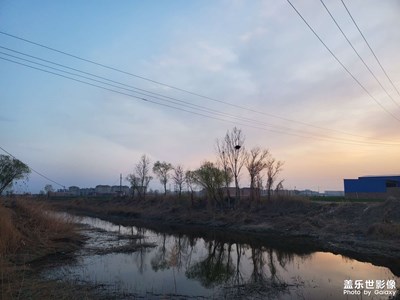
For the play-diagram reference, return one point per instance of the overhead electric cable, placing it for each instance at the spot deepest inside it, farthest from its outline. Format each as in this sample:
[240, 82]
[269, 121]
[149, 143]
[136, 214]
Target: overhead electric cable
[181, 102]
[173, 87]
[33, 170]
[338, 140]
[136, 97]
[370, 48]
[340, 62]
[172, 100]
[358, 54]
[146, 92]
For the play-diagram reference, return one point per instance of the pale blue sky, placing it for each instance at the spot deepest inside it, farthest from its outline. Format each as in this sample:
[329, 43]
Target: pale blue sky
[255, 54]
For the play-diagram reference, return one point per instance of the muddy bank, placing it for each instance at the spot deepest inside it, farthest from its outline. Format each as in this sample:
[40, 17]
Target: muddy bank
[30, 241]
[367, 232]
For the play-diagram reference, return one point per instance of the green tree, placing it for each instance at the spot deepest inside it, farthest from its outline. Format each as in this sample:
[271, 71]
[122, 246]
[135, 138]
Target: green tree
[48, 188]
[11, 169]
[161, 169]
[212, 179]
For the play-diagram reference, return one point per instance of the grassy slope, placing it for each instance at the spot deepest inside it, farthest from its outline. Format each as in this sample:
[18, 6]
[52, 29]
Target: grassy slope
[28, 235]
[379, 220]
[331, 224]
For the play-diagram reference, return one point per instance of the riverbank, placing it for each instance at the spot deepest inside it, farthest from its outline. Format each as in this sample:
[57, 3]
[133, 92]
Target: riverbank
[364, 231]
[31, 238]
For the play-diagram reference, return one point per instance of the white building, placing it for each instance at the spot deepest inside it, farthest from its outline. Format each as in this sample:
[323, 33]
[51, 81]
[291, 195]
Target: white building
[103, 190]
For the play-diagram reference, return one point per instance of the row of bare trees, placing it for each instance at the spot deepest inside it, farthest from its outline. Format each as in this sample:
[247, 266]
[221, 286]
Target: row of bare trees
[215, 178]
[164, 171]
[233, 156]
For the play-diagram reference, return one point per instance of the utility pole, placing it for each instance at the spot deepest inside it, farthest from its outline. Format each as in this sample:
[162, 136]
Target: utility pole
[120, 184]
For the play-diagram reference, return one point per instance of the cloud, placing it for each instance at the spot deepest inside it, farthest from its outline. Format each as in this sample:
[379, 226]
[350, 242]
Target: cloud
[256, 33]
[255, 54]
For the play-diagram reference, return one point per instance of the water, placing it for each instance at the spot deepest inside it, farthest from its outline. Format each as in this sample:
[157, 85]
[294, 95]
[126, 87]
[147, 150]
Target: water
[213, 265]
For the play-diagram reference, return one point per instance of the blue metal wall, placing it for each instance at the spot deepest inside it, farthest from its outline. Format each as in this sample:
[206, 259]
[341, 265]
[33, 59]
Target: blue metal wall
[369, 184]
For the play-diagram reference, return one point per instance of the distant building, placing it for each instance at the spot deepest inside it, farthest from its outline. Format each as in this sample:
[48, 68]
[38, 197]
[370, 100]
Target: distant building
[74, 191]
[372, 187]
[103, 190]
[334, 193]
[88, 192]
[308, 192]
[121, 190]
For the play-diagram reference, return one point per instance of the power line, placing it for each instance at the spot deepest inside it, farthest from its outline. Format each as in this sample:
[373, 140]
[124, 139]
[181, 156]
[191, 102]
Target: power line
[370, 48]
[149, 93]
[33, 170]
[172, 99]
[340, 140]
[359, 56]
[178, 102]
[169, 99]
[179, 89]
[140, 98]
[339, 61]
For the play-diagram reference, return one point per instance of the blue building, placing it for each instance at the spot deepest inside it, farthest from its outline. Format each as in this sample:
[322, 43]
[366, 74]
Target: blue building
[372, 187]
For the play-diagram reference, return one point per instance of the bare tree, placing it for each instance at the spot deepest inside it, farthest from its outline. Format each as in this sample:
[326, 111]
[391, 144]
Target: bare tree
[224, 162]
[279, 186]
[274, 167]
[141, 178]
[134, 181]
[179, 178]
[233, 153]
[256, 162]
[190, 182]
[161, 169]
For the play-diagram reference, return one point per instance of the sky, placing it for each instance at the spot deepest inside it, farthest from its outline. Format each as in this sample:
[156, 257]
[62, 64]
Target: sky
[250, 64]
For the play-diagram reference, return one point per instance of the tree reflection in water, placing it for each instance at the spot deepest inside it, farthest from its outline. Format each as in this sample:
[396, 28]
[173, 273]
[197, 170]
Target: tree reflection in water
[140, 255]
[222, 266]
[215, 269]
[263, 282]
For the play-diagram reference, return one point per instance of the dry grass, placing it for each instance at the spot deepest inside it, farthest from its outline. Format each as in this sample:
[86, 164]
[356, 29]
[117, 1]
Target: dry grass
[29, 232]
[293, 214]
[10, 237]
[384, 230]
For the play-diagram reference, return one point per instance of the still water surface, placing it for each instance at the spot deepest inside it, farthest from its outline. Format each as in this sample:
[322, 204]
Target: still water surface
[183, 266]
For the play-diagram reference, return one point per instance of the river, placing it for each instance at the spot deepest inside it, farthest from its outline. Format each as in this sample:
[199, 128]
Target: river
[136, 262]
